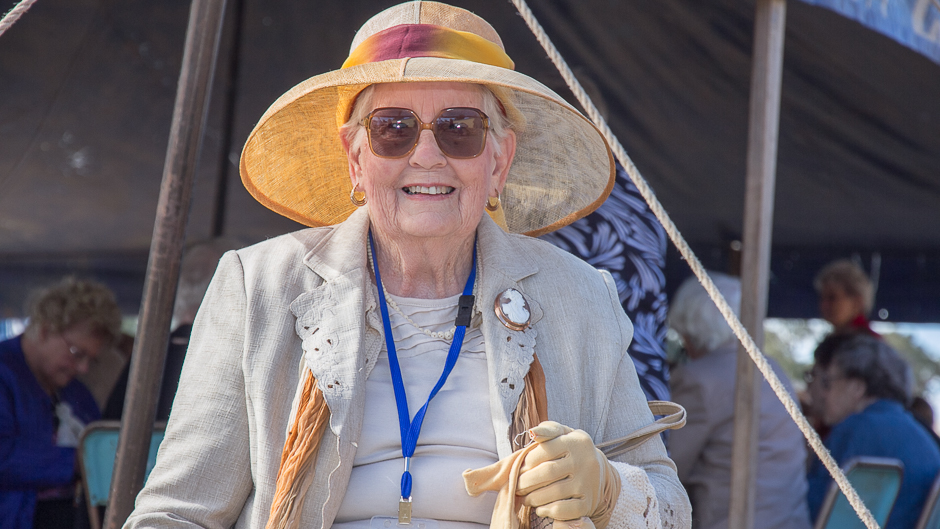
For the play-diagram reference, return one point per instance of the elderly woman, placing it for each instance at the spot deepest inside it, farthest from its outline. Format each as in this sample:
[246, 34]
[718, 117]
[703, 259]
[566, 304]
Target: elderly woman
[43, 409]
[864, 385]
[702, 450]
[846, 296]
[345, 376]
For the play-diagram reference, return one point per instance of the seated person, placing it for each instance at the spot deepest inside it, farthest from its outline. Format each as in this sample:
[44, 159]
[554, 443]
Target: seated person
[702, 449]
[43, 409]
[311, 350]
[846, 295]
[863, 385]
[196, 269]
[624, 237]
[103, 374]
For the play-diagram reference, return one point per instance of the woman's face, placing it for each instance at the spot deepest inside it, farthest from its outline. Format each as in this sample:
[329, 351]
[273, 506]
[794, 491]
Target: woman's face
[401, 203]
[60, 357]
[841, 396]
[838, 307]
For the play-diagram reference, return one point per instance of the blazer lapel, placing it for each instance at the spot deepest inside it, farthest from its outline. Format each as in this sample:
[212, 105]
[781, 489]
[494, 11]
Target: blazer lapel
[337, 321]
[509, 353]
[341, 335]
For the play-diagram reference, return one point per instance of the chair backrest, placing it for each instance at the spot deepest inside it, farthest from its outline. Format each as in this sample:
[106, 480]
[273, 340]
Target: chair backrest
[930, 516]
[877, 481]
[97, 450]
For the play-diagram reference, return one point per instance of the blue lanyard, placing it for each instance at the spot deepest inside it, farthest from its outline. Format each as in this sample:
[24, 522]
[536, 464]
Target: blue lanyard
[410, 429]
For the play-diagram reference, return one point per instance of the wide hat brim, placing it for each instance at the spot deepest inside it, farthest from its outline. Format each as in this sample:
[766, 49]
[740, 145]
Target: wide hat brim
[294, 162]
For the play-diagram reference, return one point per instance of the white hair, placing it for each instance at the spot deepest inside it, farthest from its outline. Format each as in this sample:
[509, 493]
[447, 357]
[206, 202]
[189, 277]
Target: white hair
[694, 315]
[355, 133]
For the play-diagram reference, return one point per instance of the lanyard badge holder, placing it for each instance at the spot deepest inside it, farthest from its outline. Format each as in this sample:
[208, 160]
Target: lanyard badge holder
[411, 428]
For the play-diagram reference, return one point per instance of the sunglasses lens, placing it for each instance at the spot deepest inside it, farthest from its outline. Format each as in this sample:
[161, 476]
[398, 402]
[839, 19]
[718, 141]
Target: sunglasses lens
[461, 132]
[392, 132]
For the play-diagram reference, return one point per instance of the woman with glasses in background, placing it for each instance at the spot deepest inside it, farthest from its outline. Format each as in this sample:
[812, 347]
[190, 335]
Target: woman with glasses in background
[862, 386]
[43, 409]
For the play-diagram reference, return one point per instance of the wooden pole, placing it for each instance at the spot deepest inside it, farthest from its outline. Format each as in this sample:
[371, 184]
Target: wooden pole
[766, 76]
[146, 371]
[230, 100]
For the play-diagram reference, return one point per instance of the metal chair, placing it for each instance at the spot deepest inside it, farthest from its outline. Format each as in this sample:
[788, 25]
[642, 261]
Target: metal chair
[97, 449]
[930, 516]
[877, 480]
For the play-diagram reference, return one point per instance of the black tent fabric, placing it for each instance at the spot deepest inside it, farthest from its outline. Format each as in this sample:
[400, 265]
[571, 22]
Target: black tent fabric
[87, 89]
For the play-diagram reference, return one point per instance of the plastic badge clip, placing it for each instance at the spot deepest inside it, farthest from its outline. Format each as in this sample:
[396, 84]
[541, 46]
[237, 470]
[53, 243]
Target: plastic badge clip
[464, 311]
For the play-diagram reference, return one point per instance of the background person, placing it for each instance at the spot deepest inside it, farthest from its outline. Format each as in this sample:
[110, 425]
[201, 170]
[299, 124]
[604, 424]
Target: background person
[105, 372]
[43, 409]
[311, 350]
[624, 237]
[196, 268]
[864, 385]
[705, 387]
[846, 297]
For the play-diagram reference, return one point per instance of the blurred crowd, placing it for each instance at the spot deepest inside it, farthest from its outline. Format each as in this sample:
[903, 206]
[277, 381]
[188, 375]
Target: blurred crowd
[858, 397]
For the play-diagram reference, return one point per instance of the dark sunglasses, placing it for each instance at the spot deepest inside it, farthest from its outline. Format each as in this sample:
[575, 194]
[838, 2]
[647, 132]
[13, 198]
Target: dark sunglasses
[394, 132]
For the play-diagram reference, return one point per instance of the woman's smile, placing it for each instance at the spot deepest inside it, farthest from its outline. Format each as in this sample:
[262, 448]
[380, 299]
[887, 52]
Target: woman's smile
[428, 190]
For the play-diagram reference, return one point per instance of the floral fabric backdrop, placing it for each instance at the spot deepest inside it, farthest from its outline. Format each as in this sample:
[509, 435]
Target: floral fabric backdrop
[624, 238]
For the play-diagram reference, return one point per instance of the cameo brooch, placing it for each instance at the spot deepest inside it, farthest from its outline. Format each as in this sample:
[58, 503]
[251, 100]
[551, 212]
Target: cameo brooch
[512, 309]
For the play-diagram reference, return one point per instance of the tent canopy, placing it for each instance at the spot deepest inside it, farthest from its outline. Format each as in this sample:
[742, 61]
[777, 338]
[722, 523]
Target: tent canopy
[88, 87]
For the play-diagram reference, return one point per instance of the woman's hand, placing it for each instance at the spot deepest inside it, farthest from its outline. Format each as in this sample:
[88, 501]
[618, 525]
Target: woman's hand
[565, 477]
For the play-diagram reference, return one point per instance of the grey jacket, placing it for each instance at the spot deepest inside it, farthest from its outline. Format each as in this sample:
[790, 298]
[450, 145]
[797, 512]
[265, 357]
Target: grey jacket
[311, 291]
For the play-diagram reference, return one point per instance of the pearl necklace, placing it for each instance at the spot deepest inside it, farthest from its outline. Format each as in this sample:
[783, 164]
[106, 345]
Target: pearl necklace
[446, 335]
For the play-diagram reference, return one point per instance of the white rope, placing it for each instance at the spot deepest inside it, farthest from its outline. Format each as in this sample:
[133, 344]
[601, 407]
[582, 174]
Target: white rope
[759, 359]
[14, 14]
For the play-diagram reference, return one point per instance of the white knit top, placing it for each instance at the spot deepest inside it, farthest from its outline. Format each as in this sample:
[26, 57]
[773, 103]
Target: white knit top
[457, 433]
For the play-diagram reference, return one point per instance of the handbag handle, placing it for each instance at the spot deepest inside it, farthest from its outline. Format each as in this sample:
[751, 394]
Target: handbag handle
[674, 418]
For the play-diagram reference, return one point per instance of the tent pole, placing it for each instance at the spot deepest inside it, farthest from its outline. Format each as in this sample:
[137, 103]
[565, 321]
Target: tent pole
[230, 98]
[146, 371]
[766, 76]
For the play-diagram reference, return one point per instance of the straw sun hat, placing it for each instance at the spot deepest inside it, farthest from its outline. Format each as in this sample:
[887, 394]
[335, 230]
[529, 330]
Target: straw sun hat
[294, 163]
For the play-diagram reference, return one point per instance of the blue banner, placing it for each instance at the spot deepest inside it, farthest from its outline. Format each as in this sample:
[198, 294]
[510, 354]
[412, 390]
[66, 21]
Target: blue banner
[914, 23]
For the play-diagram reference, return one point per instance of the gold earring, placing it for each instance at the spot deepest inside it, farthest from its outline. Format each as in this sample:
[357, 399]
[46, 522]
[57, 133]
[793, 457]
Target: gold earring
[358, 202]
[491, 204]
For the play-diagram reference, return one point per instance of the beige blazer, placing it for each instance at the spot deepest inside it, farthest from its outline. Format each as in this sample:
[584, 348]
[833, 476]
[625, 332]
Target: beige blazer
[307, 298]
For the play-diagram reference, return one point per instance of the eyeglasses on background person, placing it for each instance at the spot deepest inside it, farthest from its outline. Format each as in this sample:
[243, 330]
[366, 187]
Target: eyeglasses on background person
[78, 354]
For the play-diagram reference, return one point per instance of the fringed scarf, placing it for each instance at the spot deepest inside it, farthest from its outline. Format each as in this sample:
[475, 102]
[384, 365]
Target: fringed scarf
[298, 458]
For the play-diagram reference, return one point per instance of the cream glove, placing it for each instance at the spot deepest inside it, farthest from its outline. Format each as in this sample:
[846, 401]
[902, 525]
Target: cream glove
[566, 478]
